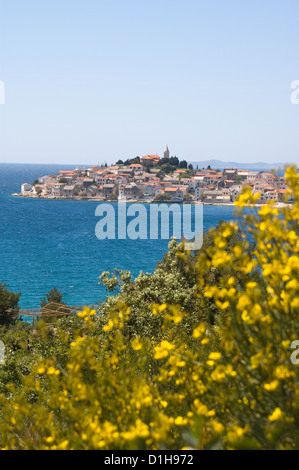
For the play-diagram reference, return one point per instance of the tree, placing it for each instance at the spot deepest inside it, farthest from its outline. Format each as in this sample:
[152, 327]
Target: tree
[167, 168]
[187, 197]
[183, 175]
[76, 189]
[112, 197]
[131, 161]
[52, 306]
[162, 197]
[38, 190]
[9, 306]
[147, 164]
[53, 296]
[183, 164]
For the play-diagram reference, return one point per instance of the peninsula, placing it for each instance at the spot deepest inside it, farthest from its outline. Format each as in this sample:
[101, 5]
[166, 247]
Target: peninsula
[154, 179]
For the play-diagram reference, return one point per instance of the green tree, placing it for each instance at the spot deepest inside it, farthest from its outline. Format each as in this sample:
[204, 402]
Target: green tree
[131, 161]
[112, 197]
[175, 281]
[187, 197]
[162, 197]
[53, 296]
[76, 189]
[183, 164]
[9, 306]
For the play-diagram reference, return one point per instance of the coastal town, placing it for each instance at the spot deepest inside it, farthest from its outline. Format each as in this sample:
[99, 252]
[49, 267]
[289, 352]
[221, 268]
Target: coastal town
[154, 179]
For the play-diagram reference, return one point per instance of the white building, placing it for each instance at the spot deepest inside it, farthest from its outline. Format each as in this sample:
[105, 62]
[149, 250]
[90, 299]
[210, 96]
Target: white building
[197, 193]
[25, 188]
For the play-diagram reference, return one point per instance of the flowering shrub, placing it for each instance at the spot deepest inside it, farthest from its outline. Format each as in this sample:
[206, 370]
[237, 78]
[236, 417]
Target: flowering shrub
[227, 384]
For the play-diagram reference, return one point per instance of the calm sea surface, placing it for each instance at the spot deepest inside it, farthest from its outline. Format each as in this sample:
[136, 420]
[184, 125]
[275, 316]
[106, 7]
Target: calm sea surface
[46, 244]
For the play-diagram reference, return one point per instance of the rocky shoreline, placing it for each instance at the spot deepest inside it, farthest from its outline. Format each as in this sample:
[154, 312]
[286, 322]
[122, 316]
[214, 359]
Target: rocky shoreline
[140, 201]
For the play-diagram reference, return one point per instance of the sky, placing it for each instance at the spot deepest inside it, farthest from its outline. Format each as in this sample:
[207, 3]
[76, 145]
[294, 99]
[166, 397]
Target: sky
[93, 81]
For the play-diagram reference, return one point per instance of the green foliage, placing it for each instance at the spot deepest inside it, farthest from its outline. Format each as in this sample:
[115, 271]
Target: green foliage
[112, 197]
[130, 161]
[76, 189]
[163, 197]
[174, 282]
[183, 164]
[53, 296]
[167, 168]
[9, 306]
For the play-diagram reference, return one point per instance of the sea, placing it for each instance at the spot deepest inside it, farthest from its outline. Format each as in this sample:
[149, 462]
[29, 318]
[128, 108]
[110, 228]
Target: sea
[53, 243]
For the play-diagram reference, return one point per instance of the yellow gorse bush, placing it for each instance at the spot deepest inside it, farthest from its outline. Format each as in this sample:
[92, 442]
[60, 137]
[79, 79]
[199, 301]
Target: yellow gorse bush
[230, 385]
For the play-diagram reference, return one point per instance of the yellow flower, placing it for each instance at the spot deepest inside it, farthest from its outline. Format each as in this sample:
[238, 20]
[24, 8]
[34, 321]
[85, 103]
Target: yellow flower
[199, 330]
[210, 363]
[52, 371]
[217, 427]
[282, 372]
[180, 421]
[82, 314]
[78, 341]
[276, 415]
[163, 349]
[109, 326]
[243, 302]
[63, 445]
[215, 356]
[162, 307]
[236, 432]
[136, 344]
[271, 386]
[205, 341]
[200, 407]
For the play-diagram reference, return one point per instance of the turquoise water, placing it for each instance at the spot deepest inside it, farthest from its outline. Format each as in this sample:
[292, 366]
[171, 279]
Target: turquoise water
[52, 243]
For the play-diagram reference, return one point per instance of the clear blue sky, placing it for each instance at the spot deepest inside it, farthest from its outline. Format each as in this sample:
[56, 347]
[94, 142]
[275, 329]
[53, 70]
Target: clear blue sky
[89, 81]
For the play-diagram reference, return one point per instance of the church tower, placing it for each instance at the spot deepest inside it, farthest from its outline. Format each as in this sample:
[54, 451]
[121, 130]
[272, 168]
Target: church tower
[166, 152]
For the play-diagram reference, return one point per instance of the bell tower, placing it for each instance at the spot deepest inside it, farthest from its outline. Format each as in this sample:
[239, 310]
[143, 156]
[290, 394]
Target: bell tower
[166, 152]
